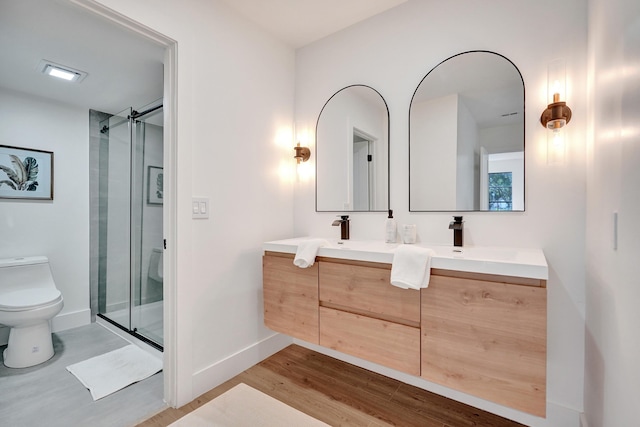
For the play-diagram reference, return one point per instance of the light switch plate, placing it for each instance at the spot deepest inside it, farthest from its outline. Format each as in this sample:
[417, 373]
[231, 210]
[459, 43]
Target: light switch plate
[199, 208]
[615, 231]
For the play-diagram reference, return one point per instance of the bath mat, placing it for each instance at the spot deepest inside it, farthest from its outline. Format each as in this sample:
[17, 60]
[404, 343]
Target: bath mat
[243, 406]
[110, 372]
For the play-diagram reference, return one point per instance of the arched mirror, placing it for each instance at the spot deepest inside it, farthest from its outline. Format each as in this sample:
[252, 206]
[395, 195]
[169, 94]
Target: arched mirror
[466, 136]
[352, 152]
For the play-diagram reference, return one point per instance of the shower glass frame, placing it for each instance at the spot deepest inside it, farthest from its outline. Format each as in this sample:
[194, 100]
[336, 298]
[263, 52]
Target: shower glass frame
[123, 191]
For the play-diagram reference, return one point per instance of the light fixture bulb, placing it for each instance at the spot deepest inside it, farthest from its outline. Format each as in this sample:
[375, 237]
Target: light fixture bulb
[558, 140]
[61, 74]
[557, 89]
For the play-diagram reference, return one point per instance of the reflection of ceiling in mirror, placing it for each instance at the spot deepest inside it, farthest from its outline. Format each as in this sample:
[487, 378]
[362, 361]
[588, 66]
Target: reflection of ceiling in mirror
[488, 84]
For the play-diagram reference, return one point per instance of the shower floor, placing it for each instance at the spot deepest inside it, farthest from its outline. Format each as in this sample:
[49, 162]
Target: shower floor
[147, 320]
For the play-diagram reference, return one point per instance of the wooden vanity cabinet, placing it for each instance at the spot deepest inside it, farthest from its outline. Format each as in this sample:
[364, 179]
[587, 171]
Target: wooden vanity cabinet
[484, 335]
[487, 336]
[361, 314]
[290, 297]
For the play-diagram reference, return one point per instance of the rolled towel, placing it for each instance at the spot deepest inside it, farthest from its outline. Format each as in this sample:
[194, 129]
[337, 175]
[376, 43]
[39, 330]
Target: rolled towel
[307, 251]
[411, 267]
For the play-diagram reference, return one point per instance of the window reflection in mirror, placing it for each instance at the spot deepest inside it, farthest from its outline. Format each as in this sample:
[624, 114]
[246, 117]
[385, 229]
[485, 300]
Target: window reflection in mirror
[466, 134]
[352, 152]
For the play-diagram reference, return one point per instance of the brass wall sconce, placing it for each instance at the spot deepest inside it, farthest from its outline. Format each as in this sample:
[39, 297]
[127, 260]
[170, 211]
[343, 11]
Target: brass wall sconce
[302, 153]
[557, 114]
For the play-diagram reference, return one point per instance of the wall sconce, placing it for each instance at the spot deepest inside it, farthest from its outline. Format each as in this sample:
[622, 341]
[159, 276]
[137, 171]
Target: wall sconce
[557, 114]
[302, 153]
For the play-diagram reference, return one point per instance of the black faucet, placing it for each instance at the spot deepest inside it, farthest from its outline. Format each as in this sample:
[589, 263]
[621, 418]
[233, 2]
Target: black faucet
[456, 226]
[343, 222]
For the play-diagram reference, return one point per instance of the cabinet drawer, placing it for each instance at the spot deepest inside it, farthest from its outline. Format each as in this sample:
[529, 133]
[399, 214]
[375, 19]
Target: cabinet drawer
[487, 339]
[290, 298]
[389, 344]
[368, 290]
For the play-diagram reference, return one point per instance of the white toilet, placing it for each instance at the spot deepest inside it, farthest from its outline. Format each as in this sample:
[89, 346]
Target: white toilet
[154, 277]
[28, 301]
[156, 265]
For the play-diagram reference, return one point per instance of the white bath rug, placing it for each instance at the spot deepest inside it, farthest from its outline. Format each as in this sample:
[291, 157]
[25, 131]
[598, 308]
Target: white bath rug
[110, 372]
[243, 406]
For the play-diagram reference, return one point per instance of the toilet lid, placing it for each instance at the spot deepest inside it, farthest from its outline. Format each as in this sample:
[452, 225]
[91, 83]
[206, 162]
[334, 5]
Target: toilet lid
[29, 298]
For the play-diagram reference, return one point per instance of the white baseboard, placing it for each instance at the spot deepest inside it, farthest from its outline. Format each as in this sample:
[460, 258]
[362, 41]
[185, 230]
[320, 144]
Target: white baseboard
[61, 322]
[65, 321]
[225, 369]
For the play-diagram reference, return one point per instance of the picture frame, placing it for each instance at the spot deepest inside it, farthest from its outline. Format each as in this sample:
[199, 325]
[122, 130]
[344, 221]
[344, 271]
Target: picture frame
[155, 191]
[26, 173]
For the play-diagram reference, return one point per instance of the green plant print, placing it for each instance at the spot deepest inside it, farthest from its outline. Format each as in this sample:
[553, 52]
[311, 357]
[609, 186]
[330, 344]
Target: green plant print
[159, 189]
[23, 176]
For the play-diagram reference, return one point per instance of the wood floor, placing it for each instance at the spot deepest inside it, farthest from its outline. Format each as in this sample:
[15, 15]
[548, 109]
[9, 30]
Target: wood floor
[341, 394]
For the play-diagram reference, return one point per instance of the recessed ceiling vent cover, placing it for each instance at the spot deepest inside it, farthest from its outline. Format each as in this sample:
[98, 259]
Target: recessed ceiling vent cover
[61, 71]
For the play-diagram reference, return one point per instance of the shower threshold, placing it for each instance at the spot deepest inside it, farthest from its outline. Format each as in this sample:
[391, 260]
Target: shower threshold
[126, 333]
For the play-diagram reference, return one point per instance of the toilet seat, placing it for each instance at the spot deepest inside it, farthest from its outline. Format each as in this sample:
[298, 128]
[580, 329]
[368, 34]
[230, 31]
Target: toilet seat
[29, 299]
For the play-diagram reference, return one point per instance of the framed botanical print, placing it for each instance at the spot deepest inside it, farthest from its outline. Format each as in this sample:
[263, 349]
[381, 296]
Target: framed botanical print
[26, 173]
[154, 185]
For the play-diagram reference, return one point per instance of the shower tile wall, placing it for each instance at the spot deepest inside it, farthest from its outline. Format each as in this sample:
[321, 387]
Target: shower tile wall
[96, 144]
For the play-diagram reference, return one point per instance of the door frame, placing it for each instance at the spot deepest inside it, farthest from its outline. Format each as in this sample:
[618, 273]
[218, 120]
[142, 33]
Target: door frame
[169, 209]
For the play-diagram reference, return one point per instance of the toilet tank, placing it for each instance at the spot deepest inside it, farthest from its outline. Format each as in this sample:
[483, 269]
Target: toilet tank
[25, 272]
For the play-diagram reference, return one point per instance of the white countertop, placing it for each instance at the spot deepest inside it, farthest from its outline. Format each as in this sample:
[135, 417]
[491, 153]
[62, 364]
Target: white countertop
[518, 262]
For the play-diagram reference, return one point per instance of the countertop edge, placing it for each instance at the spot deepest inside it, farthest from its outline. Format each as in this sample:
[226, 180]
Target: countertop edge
[533, 270]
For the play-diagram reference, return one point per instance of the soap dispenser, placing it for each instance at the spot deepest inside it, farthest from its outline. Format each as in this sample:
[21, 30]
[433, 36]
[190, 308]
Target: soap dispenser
[390, 229]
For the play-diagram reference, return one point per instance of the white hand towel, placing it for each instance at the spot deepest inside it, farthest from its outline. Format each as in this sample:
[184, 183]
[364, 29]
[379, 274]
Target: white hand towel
[307, 251]
[411, 267]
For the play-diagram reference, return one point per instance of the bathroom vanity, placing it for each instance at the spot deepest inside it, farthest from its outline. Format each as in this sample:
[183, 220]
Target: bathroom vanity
[479, 328]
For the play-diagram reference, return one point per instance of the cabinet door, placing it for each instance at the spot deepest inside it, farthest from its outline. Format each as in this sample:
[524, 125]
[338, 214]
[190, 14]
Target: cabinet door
[290, 298]
[369, 291]
[389, 344]
[487, 339]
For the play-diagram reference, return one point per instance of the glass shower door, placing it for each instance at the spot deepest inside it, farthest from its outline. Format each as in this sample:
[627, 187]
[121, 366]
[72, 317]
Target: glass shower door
[130, 266]
[114, 220]
[147, 238]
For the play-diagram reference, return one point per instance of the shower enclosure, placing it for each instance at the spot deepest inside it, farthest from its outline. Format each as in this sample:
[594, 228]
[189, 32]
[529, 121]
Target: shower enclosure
[129, 241]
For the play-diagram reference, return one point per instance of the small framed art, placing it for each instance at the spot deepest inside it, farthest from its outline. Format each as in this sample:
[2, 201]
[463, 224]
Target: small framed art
[26, 173]
[154, 185]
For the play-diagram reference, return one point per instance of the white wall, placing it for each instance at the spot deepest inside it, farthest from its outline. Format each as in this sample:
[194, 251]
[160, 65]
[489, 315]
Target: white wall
[433, 153]
[234, 146]
[502, 139]
[58, 229]
[612, 373]
[392, 52]
[467, 174]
